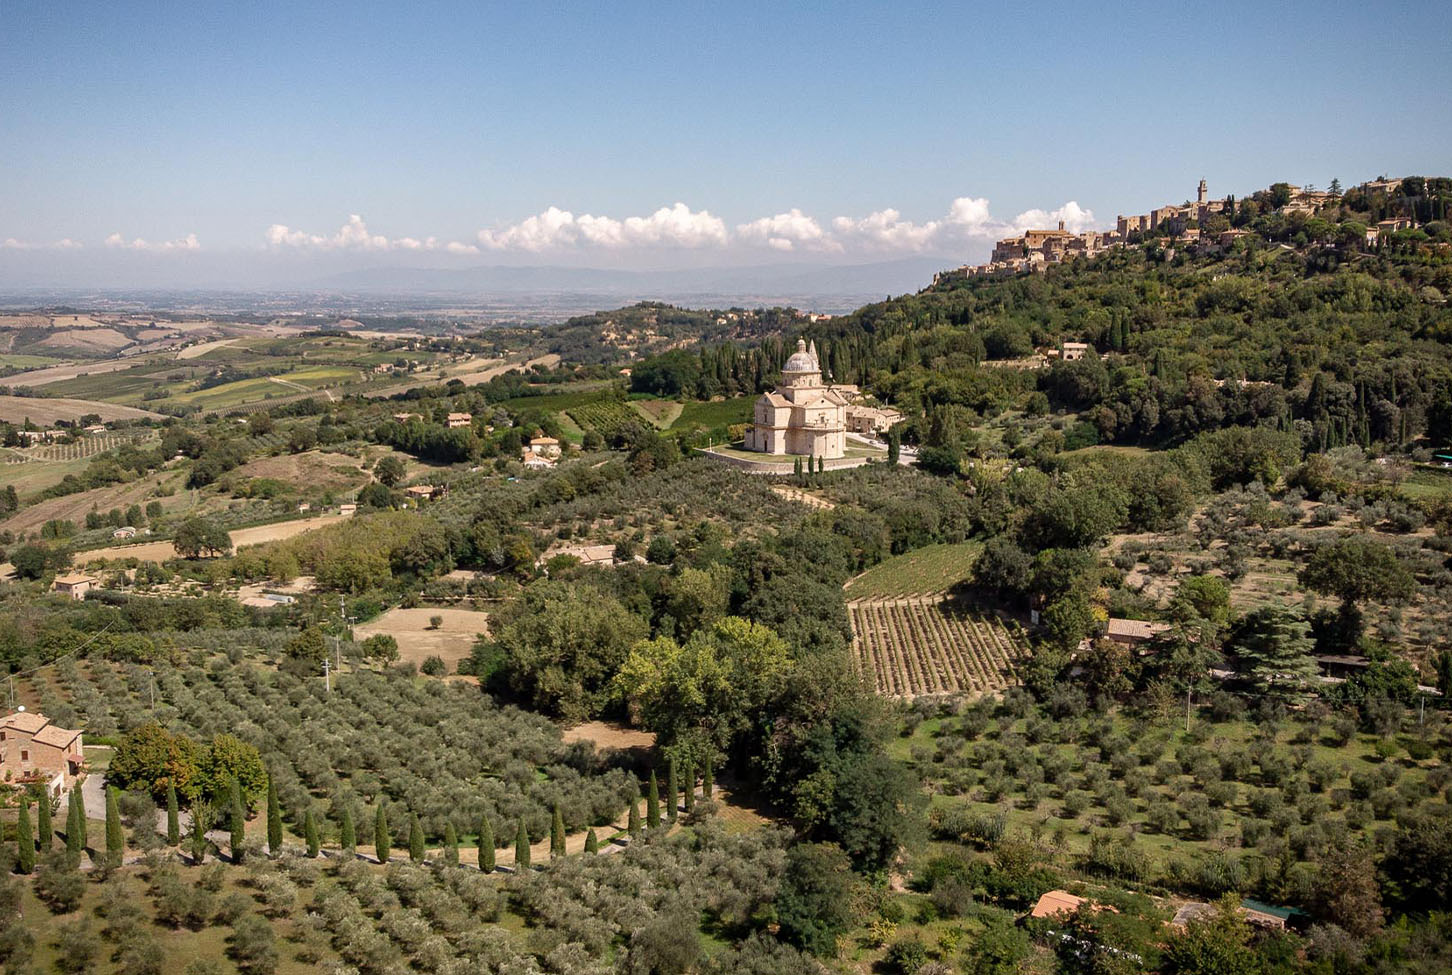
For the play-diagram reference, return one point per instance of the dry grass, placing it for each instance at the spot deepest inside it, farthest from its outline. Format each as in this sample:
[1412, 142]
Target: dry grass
[451, 642]
[608, 734]
[15, 409]
[307, 471]
[74, 507]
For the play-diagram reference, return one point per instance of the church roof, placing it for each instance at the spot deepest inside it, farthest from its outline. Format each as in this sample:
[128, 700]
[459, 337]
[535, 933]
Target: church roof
[802, 360]
[776, 399]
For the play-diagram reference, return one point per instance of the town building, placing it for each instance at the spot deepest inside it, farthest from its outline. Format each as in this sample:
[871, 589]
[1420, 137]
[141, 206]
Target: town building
[1132, 633]
[1074, 351]
[535, 461]
[802, 416]
[75, 584]
[870, 421]
[34, 750]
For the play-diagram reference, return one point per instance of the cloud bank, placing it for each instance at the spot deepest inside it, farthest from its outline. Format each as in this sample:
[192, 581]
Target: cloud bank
[678, 227]
[187, 243]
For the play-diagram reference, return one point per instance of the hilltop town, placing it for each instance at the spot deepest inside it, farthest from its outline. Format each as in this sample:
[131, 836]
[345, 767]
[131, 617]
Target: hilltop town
[1207, 226]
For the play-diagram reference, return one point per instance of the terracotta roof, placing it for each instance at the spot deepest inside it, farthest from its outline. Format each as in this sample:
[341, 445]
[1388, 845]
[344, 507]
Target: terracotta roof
[26, 721]
[1056, 902]
[546, 441]
[72, 578]
[56, 737]
[1135, 629]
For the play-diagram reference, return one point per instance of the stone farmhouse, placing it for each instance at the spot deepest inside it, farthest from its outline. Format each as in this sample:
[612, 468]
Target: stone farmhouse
[802, 416]
[32, 749]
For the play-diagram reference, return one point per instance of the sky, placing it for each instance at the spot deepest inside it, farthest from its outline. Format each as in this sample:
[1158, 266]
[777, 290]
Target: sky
[270, 142]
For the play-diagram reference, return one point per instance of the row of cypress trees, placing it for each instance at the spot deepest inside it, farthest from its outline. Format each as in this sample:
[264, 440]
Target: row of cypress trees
[76, 840]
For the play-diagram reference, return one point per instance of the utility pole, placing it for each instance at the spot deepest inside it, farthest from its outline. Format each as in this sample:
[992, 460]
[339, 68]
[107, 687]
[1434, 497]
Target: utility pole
[151, 677]
[1188, 692]
[327, 676]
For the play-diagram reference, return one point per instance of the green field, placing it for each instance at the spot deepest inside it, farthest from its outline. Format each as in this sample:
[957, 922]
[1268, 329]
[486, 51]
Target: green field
[251, 390]
[1428, 482]
[713, 415]
[18, 361]
[935, 568]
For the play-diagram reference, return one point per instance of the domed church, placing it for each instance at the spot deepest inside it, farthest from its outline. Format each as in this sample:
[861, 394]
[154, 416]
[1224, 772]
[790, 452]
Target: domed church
[801, 416]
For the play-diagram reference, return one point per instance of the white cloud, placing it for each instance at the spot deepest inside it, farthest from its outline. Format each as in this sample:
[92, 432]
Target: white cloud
[64, 244]
[787, 231]
[1076, 219]
[187, 243]
[557, 229]
[354, 235]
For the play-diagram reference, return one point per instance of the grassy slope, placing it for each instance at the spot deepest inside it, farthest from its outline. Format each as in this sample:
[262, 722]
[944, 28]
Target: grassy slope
[935, 568]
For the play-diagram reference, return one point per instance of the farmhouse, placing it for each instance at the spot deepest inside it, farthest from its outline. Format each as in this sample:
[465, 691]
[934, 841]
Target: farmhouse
[75, 584]
[34, 750]
[460, 420]
[870, 420]
[125, 531]
[424, 492]
[1131, 633]
[1074, 351]
[535, 461]
[547, 447]
[801, 416]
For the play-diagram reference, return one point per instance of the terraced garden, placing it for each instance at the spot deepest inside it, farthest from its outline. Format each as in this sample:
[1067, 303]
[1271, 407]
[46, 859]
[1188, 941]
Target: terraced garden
[931, 644]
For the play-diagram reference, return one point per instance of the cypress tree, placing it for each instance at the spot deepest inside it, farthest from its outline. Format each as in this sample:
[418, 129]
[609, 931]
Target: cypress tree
[415, 839]
[592, 843]
[521, 848]
[347, 835]
[382, 842]
[557, 834]
[173, 820]
[690, 788]
[708, 778]
[44, 829]
[199, 833]
[673, 792]
[274, 819]
[451, 845]
[652, 803]
[238, 823]
[486, 845]
[115, 840]
[310, 834]
[24, 839]
[76, 822]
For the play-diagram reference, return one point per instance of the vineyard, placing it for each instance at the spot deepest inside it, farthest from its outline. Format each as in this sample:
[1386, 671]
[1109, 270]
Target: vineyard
[80, 450]
[607, 416]
[932, 645]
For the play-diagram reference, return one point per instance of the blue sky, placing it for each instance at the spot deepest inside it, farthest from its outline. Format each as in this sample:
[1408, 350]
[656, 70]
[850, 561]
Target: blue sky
[674, 133]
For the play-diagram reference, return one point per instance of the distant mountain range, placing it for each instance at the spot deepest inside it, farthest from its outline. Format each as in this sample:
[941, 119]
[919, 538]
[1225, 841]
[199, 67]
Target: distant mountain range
[847, 284]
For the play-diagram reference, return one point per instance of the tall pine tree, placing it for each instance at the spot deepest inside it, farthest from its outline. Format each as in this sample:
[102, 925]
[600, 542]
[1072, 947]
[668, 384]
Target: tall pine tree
[557, 834]
[652, 803]
[115, 839]
[673, 792]
[382, 842]
[347, 832]
[173, 817]
[24, 838]
[521, 848]
[451, 845]
[274, 819]
[310, 834]
[44, 830]
[486, 845]
[237, 820]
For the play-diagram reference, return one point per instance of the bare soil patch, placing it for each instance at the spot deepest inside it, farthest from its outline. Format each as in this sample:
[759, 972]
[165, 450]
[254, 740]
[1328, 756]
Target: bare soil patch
[91, 339]
[608, 734]
[451, 642]
[797, 494]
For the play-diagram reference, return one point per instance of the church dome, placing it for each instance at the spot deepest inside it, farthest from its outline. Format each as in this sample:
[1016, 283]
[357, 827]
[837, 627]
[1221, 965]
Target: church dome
[801, 360]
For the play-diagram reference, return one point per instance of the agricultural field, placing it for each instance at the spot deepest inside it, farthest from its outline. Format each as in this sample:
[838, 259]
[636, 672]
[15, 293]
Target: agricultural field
[659, 413]
[925, 645]
[265, 387]
[452, 641]
[714, 415]
[931, 569]
[307, 472]
[607, 416]
[74, 507]
[1208, 807]
[45, 412]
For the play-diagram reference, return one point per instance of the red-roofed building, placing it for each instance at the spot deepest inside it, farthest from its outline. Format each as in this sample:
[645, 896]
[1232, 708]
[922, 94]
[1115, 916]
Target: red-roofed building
[33, 749]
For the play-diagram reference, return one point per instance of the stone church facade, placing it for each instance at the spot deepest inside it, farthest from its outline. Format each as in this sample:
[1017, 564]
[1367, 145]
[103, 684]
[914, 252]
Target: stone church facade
[802, 416]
